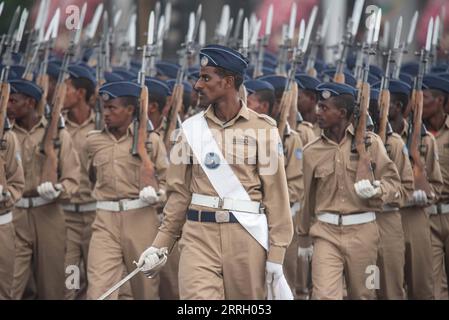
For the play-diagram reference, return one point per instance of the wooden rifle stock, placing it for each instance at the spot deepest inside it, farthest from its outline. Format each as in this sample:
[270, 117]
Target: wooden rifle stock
[284, 107]
[312, 72]
[384, 104]
[4, 98]
[339, 77]
[419, 169]
[176, 105]
[42, 81]
[293, 105]
[50, 166]
[147, 171]
[364, 168]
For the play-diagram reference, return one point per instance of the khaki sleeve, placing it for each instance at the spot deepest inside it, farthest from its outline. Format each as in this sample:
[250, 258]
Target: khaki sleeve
[275, 194]
[433, 167]
[160, 160]
[385, 171]
[399, 155]
[307, 212]
[293, 168]
[15, 181]
[69, 166]
[179, 176]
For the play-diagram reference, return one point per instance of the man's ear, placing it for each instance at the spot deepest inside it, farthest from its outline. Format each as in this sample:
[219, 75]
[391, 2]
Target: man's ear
[81, 92]
[152, 107]
[343, 113]
[229, 81]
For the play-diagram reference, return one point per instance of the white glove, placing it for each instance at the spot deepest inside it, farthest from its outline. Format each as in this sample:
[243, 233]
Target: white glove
[305, 253]
[152, 260]
[49, 192]
[366, 190]
[419, 197]
[273, 273]
[3, 196]
[149, 195]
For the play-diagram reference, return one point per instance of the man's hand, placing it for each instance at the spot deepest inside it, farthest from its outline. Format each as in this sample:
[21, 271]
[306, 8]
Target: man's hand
[419, 198]
[273, 272]
[3, 195]
[49, 192]
[152, 260]
[305, 253]
[149, 195]
[366, 190]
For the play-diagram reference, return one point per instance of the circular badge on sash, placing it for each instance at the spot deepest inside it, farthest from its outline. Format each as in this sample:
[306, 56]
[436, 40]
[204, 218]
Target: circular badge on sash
[212, 160]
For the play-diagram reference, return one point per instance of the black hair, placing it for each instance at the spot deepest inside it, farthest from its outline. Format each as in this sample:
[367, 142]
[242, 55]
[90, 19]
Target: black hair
[345, 101]
[130, 100]
[267, 96]
[402, 98]
[238, 78]
[159, 99]
[83, 83]
[438, 93]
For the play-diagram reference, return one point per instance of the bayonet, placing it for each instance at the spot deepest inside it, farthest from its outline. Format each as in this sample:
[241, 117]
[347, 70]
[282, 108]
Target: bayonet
[167, 15]
[202, 36]
[237, 27]
[19, 33]
[92, 28]
[310, 25]
[292, 22]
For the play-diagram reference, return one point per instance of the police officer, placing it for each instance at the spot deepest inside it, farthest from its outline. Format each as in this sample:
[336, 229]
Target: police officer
[345, 235]
[261, 99]
[80, 212]
[38, 216]
[415, 221]
[435, 94]
[126, 219]
[237, 206]
[12, 184]
[307, 104]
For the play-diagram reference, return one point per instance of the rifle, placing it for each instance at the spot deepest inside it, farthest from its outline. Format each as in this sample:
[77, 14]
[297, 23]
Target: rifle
[49, 168]
[262, 43]
[287, 39]
[348, 39]
[364, 168]
[416, 129]
[384, 99]
[404, 46]
[140, 121]
[178, 90]
[318, 42]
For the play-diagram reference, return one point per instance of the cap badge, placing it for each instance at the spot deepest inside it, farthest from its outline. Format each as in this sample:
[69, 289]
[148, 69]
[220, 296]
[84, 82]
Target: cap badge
[204, 61]
[326, 94]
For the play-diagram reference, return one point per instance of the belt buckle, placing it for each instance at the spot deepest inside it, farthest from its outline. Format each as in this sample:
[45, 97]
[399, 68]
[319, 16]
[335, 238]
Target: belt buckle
[439, 208]
[222, 216]
[340, 220]
[121, 205]
[30, 203]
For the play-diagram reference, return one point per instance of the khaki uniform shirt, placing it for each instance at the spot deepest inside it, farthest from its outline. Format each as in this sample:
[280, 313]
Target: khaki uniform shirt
[10, 159]
[249, 163]
[429, 156]
[115, 171]
[306, 131]
[79, 136]
[33, 160]
[330, 174]
[442, 139]
[293, 165]
[397, 151]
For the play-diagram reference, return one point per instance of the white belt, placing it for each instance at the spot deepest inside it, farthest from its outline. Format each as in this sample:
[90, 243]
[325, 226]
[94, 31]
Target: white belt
[441, 208]
[122, 205]
[80, 207]
[347, 219]
[225, 203]
[388, 208]
[32, 202]
[295, 208]
[6, 218]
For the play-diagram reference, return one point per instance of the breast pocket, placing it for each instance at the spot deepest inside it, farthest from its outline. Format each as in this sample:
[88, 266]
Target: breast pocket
[244, 150]
[323, 176]
[102, 169]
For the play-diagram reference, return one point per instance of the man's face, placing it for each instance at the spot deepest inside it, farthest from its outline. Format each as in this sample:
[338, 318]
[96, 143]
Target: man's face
[395, 110]
[277, 105]
[328, 115]
[116, 114]
[72, 95]
[306, 102]
[210, 86]
[431, 104]
[19, 105]
[255, 104]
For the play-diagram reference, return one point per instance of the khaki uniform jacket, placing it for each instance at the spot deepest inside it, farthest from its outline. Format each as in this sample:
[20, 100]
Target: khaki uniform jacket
[114, 171]
[79, 136]
[306, 131]
[10, 159]
[33, 160]
[442, 139]
[329, 177]
[397, 151]
[249, 161]
[429, 156]
[293, 165]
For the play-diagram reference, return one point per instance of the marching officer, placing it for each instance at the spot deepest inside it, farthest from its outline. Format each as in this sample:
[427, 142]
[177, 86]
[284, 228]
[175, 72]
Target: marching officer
[229, 198]
[345, 234]
[38, 216]
[80, 212]
[436, 93]
[126, 219]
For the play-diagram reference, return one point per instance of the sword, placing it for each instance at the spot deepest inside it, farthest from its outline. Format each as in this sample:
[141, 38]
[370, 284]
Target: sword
[119, 284]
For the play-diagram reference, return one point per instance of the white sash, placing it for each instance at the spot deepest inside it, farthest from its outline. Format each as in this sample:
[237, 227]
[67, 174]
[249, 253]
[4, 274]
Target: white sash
[223, 179]
[226, 184]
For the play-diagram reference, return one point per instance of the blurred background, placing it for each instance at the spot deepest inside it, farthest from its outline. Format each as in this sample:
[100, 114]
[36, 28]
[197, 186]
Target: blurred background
[391, 11]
